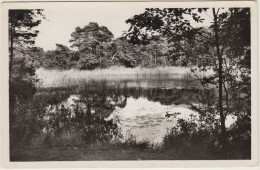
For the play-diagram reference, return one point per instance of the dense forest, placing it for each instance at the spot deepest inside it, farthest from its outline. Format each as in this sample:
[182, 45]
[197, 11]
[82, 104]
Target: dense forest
[157, 37]
[94, 46]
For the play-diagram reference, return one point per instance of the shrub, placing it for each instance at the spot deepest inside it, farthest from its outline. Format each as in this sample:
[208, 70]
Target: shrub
[133, 143]
[22, 87]
[90, 128]
[189, 141]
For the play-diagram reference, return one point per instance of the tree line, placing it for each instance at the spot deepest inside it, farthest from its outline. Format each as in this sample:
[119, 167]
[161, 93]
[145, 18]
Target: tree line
[94, 46]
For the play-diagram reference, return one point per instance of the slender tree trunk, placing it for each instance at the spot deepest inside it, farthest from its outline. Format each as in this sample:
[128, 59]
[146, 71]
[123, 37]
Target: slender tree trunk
[114, 56]
[12, 102]
[220, 81]
[155, 58]
[11, 53]
[88, 110]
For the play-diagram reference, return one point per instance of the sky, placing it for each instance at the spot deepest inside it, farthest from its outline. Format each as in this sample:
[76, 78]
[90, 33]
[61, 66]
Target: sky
[61, 21]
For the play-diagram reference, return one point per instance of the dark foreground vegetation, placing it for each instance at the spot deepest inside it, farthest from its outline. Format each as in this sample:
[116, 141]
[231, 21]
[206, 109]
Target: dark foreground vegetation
[42, 128]
[125, 151]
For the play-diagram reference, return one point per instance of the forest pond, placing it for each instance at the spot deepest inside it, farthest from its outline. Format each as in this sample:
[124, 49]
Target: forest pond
[139, 107]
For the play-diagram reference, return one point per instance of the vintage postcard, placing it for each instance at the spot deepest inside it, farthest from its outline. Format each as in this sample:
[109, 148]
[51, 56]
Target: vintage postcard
[129, 84]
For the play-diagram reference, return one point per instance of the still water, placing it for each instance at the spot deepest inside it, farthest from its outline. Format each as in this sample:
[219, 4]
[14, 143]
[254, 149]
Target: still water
[138, 107]
[146, 119]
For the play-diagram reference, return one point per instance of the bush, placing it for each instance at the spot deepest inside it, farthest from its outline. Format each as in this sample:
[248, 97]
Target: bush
[22, 87]
[65, 138]
[89, 127]
[134, 144]
[189, 141]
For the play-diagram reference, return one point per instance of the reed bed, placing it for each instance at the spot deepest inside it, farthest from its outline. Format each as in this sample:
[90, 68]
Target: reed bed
[63, 78]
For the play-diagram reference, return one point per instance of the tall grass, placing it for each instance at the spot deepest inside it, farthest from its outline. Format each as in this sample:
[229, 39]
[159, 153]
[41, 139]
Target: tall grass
[63, 78]
[63, 140]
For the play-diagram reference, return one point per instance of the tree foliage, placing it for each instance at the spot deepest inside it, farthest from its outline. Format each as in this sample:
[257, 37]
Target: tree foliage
[93, 43]
[22, 78]
[224, 48]
[21, 33]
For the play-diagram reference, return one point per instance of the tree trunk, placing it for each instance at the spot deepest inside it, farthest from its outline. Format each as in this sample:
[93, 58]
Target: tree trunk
[114, 55]
[11, 53]
[220, 81]
[88, 110]
[12, 100]
[155, 58]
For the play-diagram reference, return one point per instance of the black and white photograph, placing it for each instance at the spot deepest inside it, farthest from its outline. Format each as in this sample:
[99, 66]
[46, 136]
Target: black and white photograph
[130, 81]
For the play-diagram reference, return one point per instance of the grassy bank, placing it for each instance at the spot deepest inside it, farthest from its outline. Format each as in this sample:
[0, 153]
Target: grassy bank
[122, 151]
[98, 152]
[104, 152]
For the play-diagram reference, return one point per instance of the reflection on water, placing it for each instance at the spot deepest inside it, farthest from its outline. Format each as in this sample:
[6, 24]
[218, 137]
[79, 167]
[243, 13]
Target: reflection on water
[146, 119]
[138, 111]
